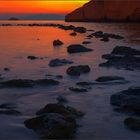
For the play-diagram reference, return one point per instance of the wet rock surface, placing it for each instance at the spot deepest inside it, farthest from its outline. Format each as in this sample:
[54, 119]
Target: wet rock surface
[59, 62]
[55, 121]
[122, 57]
[76, 89]
[27, 83]
[9, 109]
[78, 70]
[109, 78]
[127, 100]
[106, 36]
[77, 48]
[132, 123]
[80, 29]
[86, 42]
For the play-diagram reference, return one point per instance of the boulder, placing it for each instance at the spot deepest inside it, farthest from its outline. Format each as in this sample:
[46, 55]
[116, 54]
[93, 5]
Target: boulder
[122, 57]
[127, 100]
[55, 121]
[78, 70]
[77, 48]
[107, 11]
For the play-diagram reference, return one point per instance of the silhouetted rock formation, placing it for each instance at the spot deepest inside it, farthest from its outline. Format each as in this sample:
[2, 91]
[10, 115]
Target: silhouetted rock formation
[107, 10]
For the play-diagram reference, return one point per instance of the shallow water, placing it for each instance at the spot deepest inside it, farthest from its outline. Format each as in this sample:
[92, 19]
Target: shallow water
[100, 121]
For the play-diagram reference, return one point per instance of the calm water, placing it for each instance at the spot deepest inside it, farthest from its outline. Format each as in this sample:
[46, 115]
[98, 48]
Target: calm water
[100, 121]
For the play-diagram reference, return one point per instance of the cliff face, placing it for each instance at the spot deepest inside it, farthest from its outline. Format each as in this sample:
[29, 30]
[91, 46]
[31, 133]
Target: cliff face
[107, 10]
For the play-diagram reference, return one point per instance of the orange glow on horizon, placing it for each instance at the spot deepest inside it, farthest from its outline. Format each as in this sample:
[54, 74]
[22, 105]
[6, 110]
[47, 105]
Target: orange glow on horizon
[58, 7]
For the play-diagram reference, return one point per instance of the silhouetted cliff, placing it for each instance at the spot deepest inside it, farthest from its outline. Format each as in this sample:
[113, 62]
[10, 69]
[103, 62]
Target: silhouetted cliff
[107, 10]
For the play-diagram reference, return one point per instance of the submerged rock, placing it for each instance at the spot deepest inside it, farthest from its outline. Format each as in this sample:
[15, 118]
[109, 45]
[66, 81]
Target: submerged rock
[9, 109]
[27, 83]
[8, 105]
[122, 57]
[127, 100]
[109, 78]
[61, 99]
[86, 42]
[75, 89]
[76, 48]
[80, 29]
[57, 43]
[106, 36]
[6, 69]
[55, 121]
[59, 62]
[132, 123]
[31, 57]
[10, 112]
[19, 83]
[73, 34]
[105, 39]
[78, 70]
[84, 83]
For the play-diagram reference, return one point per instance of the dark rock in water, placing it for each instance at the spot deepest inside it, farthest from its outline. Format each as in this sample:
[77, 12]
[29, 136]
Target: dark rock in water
[52, 126]
[55, 121]
[84, 83]
[73, 34]
[19, 83]
[105, 39]
[61, 99]
[76, 48]
[128, 100]
[89, 36]
[106, 36]
[6, 69]
[86, 42]
[9, 112]
[59, 62]
[123, 50]
[109, 78]
[59, 76]
[57, 43]
[32, 57]
[78, 89]
[26, 83]
[46, 82]
[122, 57]
[80, 29]
[59, 108]
[132, 123]
[8, 106]
[13, 18]
[78, 70]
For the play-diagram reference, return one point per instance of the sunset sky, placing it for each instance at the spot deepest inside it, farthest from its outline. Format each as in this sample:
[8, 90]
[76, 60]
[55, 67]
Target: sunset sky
[39, 6]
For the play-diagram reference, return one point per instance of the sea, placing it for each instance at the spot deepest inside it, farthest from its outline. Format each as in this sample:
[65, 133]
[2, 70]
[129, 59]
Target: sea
[100, 122]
